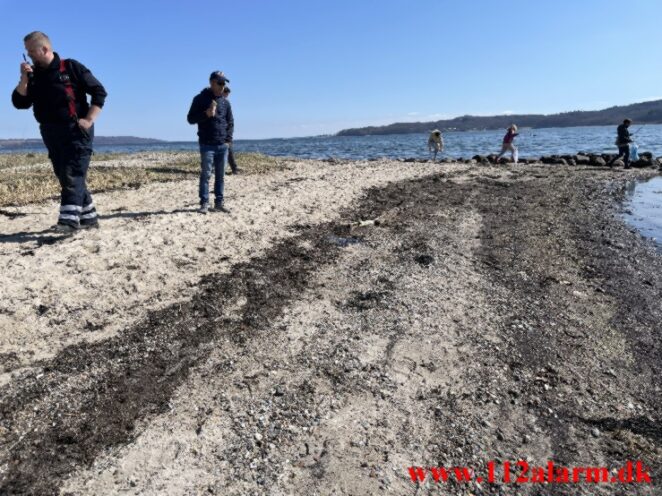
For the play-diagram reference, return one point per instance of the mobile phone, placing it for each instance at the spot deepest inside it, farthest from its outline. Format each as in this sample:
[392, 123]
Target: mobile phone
[30, 75]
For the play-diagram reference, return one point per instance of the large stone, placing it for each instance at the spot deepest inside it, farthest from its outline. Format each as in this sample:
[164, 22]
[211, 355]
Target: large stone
[554, 160]
[618, 163]
[598, 161]
[481, 159]
[642, 162]
[582, 159]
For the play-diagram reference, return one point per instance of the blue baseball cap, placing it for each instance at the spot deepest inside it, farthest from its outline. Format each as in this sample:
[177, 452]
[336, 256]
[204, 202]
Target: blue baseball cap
[218, 77]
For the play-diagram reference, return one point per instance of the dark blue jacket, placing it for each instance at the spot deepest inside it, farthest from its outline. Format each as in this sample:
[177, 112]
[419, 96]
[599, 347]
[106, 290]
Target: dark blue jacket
[46, 92]
[211, 130]
[624, 137]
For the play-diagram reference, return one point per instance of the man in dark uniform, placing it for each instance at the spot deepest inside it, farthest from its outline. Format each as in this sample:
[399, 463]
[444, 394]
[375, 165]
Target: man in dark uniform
[623, 141]
[57, 90]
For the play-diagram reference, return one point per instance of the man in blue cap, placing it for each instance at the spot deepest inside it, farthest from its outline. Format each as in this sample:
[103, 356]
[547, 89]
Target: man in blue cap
[213, 115]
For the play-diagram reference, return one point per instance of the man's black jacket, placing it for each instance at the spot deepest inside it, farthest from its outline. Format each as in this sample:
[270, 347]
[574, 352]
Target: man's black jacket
[215, 130]
[623, 135]
[46, 92]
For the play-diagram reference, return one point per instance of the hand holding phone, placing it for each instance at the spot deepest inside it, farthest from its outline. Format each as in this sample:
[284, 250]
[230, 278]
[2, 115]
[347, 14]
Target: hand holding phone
[26, 68]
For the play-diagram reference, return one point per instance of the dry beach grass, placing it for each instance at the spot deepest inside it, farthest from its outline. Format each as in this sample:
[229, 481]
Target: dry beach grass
[346, 320]
[28, 178]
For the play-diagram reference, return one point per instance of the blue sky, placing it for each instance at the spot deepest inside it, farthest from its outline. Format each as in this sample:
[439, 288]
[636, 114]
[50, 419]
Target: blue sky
[303, 68]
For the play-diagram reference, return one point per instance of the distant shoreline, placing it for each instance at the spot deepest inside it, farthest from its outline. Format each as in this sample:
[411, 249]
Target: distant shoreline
[27, 145]
[99, 140]
[641, 113]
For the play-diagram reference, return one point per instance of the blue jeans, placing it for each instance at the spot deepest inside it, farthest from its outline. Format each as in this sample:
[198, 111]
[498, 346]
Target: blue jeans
[216, 155]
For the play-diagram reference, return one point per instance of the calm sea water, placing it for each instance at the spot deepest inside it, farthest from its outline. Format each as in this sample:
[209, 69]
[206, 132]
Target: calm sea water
[531, 143]
[644, 209]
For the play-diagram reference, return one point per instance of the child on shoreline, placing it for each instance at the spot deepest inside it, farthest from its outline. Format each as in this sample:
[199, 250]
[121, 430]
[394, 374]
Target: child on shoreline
[508, 145]
[435, 143]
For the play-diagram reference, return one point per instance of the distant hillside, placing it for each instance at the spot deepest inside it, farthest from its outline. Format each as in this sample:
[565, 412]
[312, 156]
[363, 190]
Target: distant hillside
[640, 113]
[125, 140]
[98, 140]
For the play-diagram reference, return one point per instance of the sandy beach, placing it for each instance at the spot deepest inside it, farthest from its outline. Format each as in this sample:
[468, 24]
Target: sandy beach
[347, 320]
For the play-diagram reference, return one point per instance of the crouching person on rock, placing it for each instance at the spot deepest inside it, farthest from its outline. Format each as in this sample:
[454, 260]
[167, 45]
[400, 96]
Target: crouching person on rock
[213, 115]
[57, 90]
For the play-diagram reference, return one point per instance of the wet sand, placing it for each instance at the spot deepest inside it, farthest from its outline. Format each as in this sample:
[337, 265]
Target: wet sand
[345, 321]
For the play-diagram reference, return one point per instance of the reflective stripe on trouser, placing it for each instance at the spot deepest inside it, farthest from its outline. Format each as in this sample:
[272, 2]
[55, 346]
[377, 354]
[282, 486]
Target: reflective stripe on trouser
[88, 214]
[70, 150]
[69, 214]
